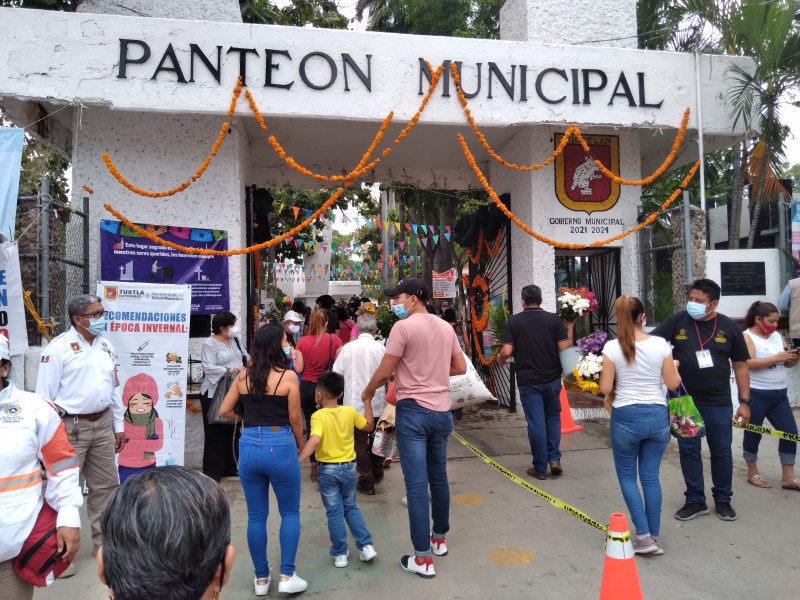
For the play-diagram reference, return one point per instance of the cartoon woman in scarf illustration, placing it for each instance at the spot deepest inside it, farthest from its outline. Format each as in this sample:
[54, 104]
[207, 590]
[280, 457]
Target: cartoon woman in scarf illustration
[144, 431]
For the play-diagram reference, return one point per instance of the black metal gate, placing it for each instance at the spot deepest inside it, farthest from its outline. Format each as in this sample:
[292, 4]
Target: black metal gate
[489, 291]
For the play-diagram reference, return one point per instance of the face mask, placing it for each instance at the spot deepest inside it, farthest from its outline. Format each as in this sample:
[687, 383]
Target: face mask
[294, 328]
[696, 310]
[233, 332]
[97, 326]
[767, 329]
[287, 351]
[399, 310]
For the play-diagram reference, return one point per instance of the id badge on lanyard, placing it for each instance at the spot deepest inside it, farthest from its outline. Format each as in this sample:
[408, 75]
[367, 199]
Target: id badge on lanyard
[704, 359]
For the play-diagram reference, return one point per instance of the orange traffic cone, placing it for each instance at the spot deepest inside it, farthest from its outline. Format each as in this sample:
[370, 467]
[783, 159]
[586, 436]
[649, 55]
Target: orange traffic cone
[567, 424]
[620, 578]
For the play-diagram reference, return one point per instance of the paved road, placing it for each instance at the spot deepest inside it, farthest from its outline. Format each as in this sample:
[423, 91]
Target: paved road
[508, 543]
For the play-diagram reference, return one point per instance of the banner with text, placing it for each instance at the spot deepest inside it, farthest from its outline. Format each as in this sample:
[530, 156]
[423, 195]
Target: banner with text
[11, 142]
[444, 284]
[12, 309]
[148, 324]
[127, 257]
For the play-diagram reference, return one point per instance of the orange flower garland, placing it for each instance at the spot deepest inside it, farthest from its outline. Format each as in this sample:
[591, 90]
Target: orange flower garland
[479, 325]
[659, 171]
[192, 408]
[546, 240]
[253, 107]
[360, 169]
[493, 252]
[237, 90]
[87, 189]
[474, 258]
[479, 352]
[210, 252]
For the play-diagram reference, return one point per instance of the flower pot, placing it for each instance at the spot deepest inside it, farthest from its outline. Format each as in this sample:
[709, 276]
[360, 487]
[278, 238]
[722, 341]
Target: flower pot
[569, 360]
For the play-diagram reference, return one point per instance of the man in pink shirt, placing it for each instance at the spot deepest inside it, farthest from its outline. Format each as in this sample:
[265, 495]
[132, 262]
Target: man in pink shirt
[423, 353]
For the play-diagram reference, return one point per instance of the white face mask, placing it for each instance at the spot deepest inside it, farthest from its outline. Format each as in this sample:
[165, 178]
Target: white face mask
[294, 328]
[233, 331]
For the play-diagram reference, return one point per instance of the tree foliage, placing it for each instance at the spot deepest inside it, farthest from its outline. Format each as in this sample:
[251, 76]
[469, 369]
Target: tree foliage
[316, 13]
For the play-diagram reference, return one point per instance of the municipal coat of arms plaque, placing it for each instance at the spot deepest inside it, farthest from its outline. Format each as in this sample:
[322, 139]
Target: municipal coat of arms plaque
[580, 185]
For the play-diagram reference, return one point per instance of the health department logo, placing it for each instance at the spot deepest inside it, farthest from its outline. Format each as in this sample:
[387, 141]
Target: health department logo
[110, 292]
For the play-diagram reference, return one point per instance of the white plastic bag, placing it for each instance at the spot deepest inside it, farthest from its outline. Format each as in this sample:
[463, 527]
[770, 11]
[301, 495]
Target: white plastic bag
[468, 389]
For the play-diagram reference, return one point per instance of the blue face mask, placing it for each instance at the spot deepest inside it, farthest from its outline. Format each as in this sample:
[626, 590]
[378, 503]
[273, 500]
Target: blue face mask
[97, 326]
[696, 310]
[287, 351]
[399, 310]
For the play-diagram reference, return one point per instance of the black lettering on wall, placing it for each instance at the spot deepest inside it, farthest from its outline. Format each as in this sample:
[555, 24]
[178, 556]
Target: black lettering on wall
[523, 83]
[575, 86]
[366, 79]
[642, 100]
[587, 88]
[169, 54]
[331, 66]
[459, 70]
[540, 92]
[622, 82]
[125, 60]
[494, 70]
[195, 50]
[243, 52]
[424, 70]
[272, 66]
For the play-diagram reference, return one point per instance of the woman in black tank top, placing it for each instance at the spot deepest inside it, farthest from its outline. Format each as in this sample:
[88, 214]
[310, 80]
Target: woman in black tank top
[269, 403]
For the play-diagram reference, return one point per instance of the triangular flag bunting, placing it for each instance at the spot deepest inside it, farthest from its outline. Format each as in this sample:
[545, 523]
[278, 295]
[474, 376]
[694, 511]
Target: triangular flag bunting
[425, 242]
[296, 210]
[436, 239]
[447, 235]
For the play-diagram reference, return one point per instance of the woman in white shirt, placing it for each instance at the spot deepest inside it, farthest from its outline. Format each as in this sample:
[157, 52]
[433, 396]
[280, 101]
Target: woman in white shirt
[770, 357]
[634, 367]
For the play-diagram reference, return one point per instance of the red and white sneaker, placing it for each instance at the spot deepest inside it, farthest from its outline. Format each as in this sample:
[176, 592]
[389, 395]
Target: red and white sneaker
[423, 569]
[439, 546]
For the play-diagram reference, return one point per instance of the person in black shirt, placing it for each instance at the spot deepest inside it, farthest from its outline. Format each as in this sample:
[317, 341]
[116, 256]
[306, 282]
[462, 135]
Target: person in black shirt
[326, 302]
[534, 337]
[705, 343]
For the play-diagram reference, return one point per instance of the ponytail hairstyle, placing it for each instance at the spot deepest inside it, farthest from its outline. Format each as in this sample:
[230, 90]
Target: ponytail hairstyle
[628, 310]
[759, 309]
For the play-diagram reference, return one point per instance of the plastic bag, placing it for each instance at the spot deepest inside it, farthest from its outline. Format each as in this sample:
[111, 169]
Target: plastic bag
[685, 420]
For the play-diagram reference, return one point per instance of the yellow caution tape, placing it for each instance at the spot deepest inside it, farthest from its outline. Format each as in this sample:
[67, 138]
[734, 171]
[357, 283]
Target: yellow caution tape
[570, 510]
[792, 437]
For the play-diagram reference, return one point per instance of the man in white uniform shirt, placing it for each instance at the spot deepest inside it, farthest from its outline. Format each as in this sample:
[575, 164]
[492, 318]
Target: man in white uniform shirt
[77, 372]
[356, 362]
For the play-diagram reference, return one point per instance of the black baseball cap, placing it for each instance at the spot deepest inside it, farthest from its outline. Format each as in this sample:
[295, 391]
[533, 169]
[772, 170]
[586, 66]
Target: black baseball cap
[411, 286]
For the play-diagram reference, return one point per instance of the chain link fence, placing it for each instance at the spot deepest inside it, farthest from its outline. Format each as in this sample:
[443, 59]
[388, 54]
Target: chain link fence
[53, 240]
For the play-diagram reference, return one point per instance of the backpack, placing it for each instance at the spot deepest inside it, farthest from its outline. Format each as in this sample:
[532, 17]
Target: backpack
[39, 562]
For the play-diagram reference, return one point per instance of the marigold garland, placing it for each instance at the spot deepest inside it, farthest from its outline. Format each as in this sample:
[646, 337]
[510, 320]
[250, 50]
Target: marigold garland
[87, 189]
[479, 351]
[237, 90]
[571, 131]
[254, 108]
[192, 408]
[493, 252]
[211, 252]
[475, 258]
[546, 240]
[479, 325]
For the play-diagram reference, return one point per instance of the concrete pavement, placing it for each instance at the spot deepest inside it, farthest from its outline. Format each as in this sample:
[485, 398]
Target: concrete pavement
[505, 542]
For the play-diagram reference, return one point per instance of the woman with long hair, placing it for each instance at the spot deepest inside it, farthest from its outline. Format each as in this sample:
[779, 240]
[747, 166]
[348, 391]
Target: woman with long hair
[635, 366]
[269, 403]
[319, 350]
[769, 359]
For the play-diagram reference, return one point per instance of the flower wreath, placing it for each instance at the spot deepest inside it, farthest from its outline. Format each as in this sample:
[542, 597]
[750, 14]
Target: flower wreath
[479, 285]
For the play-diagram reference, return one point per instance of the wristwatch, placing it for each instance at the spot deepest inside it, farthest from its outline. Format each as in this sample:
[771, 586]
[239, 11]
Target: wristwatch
[745, 401]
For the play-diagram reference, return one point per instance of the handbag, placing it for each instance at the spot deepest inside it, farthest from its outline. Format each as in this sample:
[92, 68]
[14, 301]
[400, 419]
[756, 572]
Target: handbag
[685, 421]
[244, 358]
[39, 562]
[223, 385]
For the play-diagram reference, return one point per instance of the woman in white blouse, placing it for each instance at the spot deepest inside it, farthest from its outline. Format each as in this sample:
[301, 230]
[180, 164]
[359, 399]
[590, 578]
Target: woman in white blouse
[635, 366]
[222, 353]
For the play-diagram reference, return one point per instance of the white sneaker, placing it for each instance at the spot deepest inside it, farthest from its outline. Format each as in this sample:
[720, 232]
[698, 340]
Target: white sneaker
[341, 560]
[262, 589]
[367, 553]
[68, 572]
[439, 546]
[293, 585]
[424, 570]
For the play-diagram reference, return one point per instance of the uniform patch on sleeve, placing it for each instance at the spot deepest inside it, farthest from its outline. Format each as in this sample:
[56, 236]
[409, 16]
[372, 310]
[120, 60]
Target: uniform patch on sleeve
[45, 358]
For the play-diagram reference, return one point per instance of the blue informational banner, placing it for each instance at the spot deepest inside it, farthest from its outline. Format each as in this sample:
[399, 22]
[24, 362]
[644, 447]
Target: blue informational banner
[11, 140]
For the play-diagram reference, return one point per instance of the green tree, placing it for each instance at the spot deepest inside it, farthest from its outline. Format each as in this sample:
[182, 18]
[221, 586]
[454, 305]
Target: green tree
[793, 173]
[316, 13]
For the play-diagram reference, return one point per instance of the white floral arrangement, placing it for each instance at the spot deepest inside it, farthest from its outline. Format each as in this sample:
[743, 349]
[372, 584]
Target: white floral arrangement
[574, 303]
[589, 366]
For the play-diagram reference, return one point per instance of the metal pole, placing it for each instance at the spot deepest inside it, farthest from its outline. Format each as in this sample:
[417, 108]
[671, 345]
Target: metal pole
[700, 145]
[86, 245]
[782, 238]
[687, 239]
[44, 244]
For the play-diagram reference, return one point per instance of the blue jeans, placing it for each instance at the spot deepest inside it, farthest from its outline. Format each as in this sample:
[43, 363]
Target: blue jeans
[774, 405]
[422, 436]
[337, 486]
[270, 457]
[719, 435]
[639, 437]
[541, 404]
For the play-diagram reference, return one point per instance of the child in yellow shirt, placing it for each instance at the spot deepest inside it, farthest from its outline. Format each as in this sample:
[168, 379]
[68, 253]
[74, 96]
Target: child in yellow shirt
[332, 442]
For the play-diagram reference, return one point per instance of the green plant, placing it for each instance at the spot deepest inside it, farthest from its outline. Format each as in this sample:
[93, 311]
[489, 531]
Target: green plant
[498, 318]
[385, 319]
